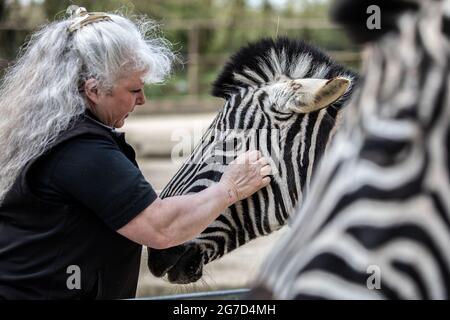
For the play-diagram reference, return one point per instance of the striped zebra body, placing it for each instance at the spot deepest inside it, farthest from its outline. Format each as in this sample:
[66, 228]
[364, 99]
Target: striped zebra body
[258, 84]
[376, 223]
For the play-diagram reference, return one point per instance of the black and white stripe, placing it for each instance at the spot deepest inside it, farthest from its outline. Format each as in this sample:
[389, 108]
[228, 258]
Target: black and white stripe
[381, 200]
[254, 116]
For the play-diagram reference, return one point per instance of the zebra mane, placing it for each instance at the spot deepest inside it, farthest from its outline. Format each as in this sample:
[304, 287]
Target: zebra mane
[268, 61]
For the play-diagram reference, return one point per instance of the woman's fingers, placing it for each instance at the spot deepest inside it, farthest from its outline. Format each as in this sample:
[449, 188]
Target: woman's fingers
[262, 161]
[248, 157]
[266, 170]
[265, 181]
[254, 156]
[249, 173]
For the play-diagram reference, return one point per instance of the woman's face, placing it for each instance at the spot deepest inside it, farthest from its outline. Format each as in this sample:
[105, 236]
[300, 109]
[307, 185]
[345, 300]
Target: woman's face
[113, 107]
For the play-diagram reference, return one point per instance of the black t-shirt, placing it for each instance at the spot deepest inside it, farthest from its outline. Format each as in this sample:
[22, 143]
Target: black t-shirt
[64, 210]
[94, 172]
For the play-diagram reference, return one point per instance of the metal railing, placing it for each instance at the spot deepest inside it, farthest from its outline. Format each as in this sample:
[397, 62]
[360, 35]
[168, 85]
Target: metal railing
[235, 294]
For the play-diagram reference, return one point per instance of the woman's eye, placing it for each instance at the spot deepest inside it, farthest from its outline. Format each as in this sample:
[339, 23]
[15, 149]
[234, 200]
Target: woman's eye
[136, 91]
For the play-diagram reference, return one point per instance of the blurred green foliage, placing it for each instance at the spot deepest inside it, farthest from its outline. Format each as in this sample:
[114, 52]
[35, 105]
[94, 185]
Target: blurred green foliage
[223, 27]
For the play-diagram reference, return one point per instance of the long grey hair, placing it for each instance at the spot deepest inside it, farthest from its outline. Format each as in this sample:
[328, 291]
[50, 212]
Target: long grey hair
[40, 96]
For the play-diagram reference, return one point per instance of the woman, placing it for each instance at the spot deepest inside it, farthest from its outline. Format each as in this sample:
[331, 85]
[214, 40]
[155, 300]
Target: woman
[74, 207]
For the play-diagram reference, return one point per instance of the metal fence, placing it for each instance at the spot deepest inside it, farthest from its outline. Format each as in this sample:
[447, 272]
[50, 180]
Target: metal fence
[235, 294]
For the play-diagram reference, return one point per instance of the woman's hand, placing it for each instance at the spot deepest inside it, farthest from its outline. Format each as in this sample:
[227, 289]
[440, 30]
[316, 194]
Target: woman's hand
[174, 220]
[245, 175]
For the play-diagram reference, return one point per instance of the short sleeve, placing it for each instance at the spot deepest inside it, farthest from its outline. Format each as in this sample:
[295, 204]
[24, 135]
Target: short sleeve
[96, 173]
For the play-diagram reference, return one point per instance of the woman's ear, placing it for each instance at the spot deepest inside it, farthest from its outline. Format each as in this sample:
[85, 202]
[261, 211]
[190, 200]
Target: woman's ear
[91, 90]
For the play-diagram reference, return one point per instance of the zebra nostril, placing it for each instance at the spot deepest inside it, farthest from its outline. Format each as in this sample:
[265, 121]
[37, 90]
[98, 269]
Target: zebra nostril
[161, 261]
[189, 268]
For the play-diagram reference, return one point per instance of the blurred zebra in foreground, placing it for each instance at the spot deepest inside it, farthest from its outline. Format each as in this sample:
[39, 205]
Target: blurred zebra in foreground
[282, 97]
[376, 223]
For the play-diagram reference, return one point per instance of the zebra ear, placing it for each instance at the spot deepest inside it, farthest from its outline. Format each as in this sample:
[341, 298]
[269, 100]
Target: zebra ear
[314, 94]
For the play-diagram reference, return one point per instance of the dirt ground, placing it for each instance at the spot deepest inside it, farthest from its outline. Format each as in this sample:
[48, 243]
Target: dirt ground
[154, 138]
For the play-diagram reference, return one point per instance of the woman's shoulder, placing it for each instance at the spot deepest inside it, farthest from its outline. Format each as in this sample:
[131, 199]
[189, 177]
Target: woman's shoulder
[83, 126]
[86, 145]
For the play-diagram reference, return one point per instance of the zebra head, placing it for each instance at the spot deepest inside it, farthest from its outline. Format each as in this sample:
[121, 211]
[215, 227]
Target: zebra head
[282, 97]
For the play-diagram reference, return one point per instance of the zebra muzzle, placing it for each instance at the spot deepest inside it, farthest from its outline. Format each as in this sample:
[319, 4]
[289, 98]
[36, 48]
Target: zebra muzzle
[182, 264]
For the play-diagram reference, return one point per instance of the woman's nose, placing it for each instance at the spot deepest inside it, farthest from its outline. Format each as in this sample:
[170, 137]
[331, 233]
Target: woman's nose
[141, 99]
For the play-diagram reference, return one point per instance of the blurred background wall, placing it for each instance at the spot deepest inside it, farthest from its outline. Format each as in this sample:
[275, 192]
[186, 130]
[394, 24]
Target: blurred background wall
[204, 33]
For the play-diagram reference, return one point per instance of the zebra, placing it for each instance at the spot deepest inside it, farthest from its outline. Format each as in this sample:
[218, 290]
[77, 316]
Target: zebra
[283, 97]
[376, 223]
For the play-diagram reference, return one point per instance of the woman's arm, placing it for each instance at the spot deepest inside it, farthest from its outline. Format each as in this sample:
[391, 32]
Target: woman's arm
[172, 221]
